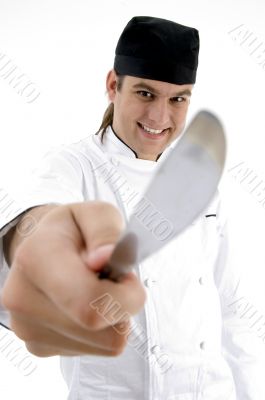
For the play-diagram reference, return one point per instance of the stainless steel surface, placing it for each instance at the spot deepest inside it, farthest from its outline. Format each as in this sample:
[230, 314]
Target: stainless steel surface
[181, 189]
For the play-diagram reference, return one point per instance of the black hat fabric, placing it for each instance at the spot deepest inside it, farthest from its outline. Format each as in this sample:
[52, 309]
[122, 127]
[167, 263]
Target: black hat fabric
[158, 49]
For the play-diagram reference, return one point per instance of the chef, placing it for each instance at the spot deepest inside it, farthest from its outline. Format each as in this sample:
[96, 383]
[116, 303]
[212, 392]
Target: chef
[165, 331]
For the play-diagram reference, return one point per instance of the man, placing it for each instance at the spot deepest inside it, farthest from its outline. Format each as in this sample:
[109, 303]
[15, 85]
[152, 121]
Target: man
[171, 347]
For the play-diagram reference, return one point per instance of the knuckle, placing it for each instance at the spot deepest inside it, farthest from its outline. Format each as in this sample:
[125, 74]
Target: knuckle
[11, 302]
[142, 296]
[92, 319]
[22, 256]
[21, 330]
[6, 298]
[39, 350]
[108, 212]
[14, 292]
[136, 299]
[24, 328]
[118, 337]
[105, 207]
[118, 346]
[10, 297]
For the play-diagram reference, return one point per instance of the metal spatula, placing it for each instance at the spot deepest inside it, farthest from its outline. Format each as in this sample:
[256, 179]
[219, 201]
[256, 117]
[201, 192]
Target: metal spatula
[180, 190]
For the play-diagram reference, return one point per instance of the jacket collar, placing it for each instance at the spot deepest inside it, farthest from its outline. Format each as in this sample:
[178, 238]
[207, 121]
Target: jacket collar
[112, 144]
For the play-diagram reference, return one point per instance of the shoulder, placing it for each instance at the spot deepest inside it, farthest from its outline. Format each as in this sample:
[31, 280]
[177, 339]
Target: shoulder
[79, 154]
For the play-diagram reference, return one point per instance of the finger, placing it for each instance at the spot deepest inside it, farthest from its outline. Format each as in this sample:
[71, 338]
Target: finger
[44, 336]
[97, 258]
[42, 350]
[80, 295]
[34, 308]
[64, 277]
[99, 224]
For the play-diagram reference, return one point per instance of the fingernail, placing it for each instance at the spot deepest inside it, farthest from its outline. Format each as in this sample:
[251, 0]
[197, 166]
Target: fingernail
[99, 252]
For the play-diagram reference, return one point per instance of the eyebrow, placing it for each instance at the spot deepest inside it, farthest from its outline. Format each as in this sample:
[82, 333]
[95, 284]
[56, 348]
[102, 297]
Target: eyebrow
[143, 85]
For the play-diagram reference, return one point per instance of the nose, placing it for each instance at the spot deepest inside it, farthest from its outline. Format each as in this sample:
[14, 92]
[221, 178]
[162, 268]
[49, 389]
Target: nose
[159, 113]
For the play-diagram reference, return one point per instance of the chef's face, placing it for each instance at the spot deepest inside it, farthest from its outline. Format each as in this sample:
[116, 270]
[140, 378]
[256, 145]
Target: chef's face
[148, 114]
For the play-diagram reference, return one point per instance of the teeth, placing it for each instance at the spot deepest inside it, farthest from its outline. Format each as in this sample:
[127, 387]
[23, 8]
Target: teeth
[153, 131]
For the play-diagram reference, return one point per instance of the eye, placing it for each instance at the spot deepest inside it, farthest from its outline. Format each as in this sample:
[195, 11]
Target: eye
[144, 93]
[178, 99]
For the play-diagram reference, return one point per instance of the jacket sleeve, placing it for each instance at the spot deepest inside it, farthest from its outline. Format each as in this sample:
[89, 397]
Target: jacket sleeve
[243, 333]
[58, 179]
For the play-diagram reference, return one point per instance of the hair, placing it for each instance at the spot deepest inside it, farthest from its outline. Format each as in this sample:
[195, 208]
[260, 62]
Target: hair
[107, 119]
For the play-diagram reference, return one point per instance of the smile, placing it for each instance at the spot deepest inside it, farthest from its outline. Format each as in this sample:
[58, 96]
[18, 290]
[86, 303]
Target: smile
[150, 130]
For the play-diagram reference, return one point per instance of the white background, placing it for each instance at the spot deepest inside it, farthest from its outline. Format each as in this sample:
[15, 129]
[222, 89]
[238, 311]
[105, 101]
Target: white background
[66, 48]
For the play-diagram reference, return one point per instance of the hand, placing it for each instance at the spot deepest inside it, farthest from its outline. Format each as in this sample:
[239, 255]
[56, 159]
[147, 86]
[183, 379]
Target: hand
[57, 304]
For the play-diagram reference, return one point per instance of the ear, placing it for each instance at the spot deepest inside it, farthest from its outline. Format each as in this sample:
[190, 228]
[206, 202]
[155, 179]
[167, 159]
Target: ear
[111, 84]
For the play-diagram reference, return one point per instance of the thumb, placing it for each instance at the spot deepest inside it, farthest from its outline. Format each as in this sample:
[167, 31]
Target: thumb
[98, 257]
[100, 225]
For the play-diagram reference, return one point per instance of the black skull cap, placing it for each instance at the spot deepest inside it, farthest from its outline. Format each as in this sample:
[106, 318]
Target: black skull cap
[158, 49]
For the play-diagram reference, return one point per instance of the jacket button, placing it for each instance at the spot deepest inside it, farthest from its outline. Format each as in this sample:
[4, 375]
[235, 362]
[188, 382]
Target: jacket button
[149, 282]
[202, 345]
[114, 161]
[154, 349]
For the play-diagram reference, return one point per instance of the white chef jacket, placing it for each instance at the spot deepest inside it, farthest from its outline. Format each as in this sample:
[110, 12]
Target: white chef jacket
[187, 343]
